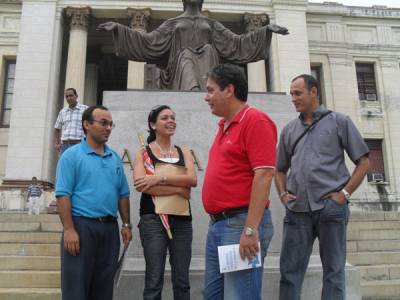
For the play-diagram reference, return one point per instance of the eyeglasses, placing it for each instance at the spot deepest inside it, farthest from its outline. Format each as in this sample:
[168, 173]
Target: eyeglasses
[105, 123]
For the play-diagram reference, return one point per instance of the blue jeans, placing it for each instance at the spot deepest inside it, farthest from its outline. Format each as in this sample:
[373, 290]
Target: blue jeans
[243, 285]
[65, 147]
[155, 243]
[299, 233]
[90, 275]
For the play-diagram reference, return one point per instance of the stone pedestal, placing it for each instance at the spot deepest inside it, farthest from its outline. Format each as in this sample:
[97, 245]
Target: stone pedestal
[196, 128]
[257, 76]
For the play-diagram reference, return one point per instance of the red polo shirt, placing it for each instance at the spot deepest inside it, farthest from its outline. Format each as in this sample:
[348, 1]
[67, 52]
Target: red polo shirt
[247, 144]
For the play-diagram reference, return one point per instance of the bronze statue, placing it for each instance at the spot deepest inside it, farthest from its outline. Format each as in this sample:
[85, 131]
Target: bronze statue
[190, 45]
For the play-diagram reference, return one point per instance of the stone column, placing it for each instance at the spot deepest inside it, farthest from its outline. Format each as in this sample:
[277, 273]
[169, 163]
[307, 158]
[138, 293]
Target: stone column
[290, 54]
[256, 71]
[76, 63]
[389, 95]
[30, 147]
[139, 22]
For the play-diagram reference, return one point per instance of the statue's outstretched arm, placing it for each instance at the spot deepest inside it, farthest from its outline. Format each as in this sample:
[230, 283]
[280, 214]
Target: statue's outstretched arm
[278, 29]
[108, 26]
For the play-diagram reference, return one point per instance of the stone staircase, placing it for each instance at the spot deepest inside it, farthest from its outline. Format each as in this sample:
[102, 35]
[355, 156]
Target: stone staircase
[29, 257]
[373, 245]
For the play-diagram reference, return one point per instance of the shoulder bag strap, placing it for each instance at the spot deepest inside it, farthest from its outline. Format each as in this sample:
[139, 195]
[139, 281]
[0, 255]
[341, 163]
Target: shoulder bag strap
[307, 130]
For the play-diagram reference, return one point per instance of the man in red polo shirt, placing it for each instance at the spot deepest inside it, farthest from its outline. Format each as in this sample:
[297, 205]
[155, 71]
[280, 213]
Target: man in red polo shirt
[237, 184]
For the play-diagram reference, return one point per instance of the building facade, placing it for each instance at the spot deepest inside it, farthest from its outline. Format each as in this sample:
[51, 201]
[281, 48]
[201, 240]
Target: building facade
[48, 45]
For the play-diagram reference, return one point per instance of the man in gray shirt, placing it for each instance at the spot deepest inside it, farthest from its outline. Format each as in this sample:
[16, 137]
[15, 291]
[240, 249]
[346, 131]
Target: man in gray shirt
[315, 186]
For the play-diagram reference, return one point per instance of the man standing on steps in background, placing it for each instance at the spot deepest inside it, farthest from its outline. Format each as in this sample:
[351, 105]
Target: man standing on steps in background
[90, 188]
[68, 128]
[316, 190]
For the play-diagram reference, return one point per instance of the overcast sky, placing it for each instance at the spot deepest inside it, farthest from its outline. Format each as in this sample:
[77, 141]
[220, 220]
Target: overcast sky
[389, 3]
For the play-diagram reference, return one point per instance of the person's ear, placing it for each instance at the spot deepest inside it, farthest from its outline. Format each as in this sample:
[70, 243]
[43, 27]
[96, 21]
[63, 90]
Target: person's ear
[86, 125]
[230, 89]
[314, 92]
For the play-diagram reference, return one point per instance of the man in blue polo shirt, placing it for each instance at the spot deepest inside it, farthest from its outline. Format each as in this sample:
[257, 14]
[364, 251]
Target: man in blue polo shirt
[90, 188]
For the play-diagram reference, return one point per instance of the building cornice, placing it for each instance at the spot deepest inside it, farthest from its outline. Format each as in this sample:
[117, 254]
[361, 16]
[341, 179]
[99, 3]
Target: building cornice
[173, 5]
[11, 2]
[334, 8]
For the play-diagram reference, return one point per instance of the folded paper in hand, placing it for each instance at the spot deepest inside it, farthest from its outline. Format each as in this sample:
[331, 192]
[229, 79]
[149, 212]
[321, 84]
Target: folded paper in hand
[173, 204]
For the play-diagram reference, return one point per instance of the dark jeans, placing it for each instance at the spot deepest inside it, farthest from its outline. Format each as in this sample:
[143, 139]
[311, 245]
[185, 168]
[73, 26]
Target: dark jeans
[155, 243]
[89, 276]
[299, 233]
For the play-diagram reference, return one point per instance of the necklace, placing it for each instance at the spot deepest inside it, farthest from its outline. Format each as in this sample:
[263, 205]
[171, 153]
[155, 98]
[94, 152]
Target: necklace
[164, 154]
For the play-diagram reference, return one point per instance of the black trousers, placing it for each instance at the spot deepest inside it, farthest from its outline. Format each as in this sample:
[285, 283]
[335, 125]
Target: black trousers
[89, 275]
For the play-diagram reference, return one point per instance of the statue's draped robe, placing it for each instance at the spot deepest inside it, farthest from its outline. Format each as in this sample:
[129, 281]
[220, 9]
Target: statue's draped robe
[186, 48]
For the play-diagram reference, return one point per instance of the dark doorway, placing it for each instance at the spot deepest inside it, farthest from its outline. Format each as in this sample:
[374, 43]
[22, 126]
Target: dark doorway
[113, 74]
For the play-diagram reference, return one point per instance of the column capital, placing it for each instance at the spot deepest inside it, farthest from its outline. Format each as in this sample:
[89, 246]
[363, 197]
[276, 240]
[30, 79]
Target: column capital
[139, 18]
[254, 21]
[79, 16]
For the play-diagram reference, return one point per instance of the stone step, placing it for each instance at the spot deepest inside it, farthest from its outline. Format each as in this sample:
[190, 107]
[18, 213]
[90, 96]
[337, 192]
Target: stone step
[380, 245]
[30, 237]
[30, 226]
[374, 258]
[52, 226]
[379, 234]
[380, 272]
[357, 226]
[29, 263]
[29, 279]
[24, 218]
[30, 249]
[13, 226]
[374, 216]
[381, 289]
[30, 293]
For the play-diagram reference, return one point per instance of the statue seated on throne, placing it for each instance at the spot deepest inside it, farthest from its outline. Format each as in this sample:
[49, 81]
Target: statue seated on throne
[188, 46]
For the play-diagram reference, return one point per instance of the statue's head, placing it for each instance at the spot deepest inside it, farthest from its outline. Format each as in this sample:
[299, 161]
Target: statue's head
[198, 2]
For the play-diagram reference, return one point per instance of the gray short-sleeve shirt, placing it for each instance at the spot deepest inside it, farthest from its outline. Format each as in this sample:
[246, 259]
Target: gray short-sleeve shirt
[317, 166]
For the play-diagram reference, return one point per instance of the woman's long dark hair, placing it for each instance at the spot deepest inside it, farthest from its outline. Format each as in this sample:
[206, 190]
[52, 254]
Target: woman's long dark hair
[153, 115]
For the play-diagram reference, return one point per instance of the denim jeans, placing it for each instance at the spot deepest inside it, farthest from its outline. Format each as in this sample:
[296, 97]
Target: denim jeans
[90, 275]
[155, 243]
[65, 147]
[299, 233]
[243, 285]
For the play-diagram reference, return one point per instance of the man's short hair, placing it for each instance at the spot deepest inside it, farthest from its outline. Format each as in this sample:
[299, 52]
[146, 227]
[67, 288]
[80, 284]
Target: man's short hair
[309, 82]
[88, 114]
[226, 74]
[72, 89]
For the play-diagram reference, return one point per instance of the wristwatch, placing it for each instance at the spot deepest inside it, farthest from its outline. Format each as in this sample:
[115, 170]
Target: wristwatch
[248, 231]
[346, 194]
[127, 225]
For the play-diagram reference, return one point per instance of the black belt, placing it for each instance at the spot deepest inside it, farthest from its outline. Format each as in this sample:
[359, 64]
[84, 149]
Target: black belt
[223, 215]
[70, 142]
[103, 219]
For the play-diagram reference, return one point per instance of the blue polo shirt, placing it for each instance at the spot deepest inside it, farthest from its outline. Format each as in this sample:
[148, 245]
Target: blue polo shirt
[94, 183]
